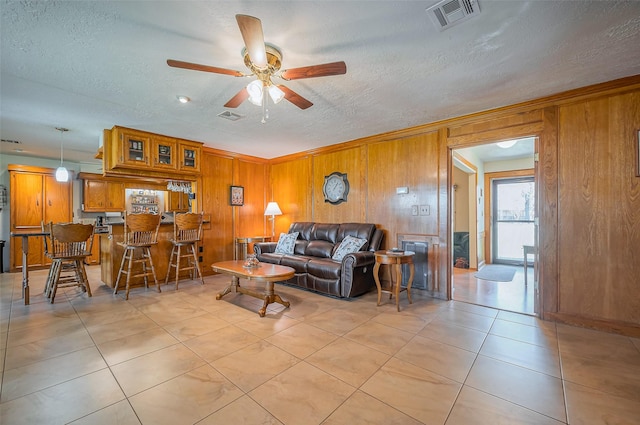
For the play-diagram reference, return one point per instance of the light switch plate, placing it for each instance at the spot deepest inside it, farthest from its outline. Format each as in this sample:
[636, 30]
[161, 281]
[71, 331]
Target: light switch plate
[414, 210]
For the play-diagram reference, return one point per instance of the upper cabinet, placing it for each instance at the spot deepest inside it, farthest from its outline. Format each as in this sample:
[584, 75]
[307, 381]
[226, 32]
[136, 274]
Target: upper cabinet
[134, 152]
[133, 149]
[190, 157]
[165, 153]
[102, 196]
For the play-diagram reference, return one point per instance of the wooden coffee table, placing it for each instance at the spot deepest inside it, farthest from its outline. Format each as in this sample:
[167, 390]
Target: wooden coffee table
[265, 272]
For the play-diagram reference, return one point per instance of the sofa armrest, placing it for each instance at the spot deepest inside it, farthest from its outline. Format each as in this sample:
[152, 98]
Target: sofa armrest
[358, 259]
[264, 247]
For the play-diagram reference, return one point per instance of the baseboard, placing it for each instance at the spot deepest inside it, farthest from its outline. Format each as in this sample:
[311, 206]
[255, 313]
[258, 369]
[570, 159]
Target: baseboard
[622, 328]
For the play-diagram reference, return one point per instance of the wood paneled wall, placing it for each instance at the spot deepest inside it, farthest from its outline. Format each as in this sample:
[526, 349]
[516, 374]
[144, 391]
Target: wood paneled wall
[599, 209]
[290, 188]
[588, 197]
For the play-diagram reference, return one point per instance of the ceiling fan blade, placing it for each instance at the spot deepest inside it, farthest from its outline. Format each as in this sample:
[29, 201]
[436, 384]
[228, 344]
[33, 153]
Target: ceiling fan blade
[324, 70]
[236, 100]
[204, 68]
[295, 98]
[251, 29]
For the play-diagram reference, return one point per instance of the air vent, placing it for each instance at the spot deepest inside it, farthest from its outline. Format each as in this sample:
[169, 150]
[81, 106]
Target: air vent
[448, 13]
[15, 142]
[231, 116]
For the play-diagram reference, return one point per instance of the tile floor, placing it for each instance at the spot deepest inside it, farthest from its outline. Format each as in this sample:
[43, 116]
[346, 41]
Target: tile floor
[182, 357]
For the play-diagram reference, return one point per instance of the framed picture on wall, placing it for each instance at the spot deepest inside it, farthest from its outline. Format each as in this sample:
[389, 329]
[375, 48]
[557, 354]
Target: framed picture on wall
[236, 196]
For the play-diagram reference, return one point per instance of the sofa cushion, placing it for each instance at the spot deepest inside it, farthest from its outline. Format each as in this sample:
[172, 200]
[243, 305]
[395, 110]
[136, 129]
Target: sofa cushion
[321, 249]
[286, 243]
[324, 268]
[348, 245]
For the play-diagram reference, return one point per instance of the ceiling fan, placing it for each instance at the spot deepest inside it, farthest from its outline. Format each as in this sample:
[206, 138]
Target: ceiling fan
[264, 61]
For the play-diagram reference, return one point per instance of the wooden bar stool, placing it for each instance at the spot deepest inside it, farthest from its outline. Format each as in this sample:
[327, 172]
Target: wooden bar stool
[140, 233]
[187, 232]
[68, 246]
[394, 260]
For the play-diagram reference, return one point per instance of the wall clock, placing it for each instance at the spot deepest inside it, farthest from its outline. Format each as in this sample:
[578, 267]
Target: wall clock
[335, 188]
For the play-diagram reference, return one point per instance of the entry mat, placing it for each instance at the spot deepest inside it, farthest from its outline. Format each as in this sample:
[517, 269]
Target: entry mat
[496, 273]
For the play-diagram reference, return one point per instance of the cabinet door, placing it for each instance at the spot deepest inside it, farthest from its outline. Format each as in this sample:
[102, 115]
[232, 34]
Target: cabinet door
[115, 196]
[58, 200]
[26, 200]
[177, 202]
[94, 195]
[133, 149]
[165, 153]
[26, 214]
[189, 158]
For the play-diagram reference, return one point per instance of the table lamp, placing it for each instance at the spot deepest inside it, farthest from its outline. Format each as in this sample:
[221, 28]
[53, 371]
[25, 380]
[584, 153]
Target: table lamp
[273, 210]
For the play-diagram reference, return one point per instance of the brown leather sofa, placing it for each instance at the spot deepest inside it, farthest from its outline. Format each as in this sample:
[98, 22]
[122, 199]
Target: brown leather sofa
[311, 260]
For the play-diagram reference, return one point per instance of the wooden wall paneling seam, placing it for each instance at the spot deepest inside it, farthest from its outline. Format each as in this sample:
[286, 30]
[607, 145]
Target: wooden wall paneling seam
[443, 285]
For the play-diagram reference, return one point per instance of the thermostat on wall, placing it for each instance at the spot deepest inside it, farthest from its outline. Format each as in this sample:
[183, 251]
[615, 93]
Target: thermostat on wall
[402, 190]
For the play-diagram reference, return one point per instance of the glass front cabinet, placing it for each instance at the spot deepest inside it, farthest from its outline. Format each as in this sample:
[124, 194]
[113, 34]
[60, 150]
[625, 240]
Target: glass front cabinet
[134, 149]
[164, 153]
[190, 157]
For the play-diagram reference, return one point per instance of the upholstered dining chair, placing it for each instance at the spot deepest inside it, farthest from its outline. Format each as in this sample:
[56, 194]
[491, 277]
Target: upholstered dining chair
[68, 245]
[187, 232]
[140, 233]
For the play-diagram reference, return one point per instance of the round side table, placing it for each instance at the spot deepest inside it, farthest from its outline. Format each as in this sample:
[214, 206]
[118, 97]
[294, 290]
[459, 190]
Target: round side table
[394, 261]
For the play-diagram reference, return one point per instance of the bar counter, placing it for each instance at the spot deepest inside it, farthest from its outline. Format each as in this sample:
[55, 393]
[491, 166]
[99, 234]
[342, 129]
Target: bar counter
[111, 255]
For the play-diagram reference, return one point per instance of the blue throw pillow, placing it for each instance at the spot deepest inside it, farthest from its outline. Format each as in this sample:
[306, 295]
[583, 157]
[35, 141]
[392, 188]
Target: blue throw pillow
[348, 245]
[286, 243]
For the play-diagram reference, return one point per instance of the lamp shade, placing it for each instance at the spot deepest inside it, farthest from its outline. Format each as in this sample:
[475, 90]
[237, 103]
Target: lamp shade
[272, 209]
[254, 89]
[62, 175]
[275, 93]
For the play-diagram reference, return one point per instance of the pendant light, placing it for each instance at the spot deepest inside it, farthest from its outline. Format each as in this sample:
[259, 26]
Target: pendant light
[62, 175]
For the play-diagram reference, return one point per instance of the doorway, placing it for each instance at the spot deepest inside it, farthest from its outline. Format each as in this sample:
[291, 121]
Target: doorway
[491, 173]
[513, 211]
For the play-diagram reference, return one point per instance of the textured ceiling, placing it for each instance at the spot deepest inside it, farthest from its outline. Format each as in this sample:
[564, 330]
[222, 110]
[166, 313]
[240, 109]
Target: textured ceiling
[89, 65]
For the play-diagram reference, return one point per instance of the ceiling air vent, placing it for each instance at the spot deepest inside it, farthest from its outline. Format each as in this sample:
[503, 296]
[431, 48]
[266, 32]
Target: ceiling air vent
[15, 142]
[448, 13]
[231, 116]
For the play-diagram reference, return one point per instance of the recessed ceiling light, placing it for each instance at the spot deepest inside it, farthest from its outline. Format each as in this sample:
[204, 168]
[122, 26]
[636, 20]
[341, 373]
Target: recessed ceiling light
[183, 99]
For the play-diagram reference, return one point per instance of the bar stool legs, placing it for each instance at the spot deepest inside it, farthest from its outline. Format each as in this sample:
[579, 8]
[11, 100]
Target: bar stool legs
[128, 258]
[177, 255]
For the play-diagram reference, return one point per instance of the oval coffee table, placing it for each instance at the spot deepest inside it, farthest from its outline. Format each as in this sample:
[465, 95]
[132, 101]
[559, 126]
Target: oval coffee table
[265, 272]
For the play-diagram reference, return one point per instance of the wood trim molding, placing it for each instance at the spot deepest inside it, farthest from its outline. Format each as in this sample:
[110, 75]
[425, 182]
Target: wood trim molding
[627, 329]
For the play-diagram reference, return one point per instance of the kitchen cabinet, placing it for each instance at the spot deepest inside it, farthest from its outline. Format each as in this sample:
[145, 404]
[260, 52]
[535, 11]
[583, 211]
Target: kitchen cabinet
[165, 153]
[133, 152]
[190, 157]
[133, 149]
[36, 199]
[177, 202]
[103, 196]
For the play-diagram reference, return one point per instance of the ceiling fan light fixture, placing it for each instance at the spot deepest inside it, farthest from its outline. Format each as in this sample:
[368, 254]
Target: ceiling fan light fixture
[275, 93]
[507, 144]
[254, 89]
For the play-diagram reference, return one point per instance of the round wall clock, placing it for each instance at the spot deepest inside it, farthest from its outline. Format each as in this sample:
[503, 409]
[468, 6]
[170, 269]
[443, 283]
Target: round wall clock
[335, 188]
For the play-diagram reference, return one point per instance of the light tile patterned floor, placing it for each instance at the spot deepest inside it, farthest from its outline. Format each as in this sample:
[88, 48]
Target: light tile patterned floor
[182, 357]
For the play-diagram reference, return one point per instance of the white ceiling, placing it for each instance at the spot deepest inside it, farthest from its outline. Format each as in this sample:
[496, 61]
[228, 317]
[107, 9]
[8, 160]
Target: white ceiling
[89, 65]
